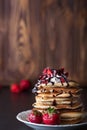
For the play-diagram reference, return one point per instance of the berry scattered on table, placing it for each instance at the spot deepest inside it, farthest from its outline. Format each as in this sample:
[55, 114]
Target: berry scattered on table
[23, 85]
[15, 88]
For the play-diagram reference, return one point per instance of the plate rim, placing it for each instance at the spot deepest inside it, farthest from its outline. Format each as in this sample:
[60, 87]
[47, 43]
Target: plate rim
[44, 125]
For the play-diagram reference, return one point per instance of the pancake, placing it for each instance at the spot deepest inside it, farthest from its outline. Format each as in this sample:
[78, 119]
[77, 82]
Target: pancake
[71, 83]
[57, 101]
[45, 98]
[47, 95]
[80, 109]
[71, 121]
[54, 89]
[47, 89]
[71, 117]
[46, 105]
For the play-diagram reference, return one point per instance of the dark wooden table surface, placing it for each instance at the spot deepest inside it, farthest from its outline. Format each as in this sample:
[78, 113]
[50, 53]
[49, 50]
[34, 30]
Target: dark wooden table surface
[11, 104]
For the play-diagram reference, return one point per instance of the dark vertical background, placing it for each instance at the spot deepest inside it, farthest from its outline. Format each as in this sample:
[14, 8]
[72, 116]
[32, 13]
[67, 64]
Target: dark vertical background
[39, 33]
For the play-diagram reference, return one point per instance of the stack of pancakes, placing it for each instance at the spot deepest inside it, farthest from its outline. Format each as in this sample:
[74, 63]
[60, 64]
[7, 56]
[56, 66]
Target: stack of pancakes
[54, 90]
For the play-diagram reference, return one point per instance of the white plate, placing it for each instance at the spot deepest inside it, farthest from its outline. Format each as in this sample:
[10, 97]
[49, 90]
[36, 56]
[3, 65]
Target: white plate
[22, 117]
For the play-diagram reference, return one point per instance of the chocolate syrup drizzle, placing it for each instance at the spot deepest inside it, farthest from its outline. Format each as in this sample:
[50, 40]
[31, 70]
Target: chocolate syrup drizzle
[48, 74]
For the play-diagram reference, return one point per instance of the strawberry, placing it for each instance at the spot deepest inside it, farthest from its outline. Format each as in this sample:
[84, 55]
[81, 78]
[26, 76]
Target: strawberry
[62, 80]
[24, 84]
[51, 117]
[35, 117]
[47, 71]
[15, 88]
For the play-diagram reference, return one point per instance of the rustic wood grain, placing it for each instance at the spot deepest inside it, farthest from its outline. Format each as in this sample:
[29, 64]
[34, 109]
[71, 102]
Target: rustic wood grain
[65, 26]
[39, 33]
[20, 63]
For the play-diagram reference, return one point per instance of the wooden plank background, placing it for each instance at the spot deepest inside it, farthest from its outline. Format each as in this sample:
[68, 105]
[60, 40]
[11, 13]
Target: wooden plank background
[39, 33]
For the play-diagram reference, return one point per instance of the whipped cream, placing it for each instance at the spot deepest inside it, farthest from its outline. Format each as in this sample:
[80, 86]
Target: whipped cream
[51, 77]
